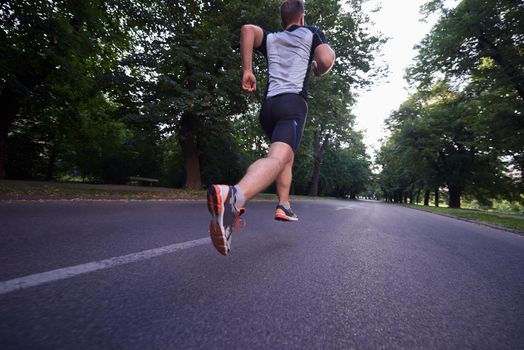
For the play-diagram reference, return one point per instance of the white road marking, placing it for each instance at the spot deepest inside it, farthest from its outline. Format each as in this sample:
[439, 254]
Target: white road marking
[343, 208]
[72, 271]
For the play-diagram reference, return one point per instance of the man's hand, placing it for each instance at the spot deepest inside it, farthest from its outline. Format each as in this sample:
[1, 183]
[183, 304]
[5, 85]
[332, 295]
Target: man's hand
[249, 82]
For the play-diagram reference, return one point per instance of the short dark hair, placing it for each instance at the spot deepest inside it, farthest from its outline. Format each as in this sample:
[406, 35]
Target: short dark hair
[291, 10]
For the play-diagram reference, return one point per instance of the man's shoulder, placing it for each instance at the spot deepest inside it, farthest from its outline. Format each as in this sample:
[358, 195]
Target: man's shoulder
[318, 35]
[297, 27]
[313, 29]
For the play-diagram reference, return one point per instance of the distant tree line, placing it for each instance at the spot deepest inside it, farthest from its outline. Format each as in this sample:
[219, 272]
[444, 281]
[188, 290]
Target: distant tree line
[104, 90]
[461, 133]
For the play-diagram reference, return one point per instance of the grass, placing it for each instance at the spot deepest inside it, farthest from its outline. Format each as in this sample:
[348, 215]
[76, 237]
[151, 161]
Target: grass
[514, 222]
[36, 190]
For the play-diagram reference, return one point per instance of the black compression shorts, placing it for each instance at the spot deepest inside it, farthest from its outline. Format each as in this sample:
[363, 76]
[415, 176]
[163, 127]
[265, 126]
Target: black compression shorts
[283, 118]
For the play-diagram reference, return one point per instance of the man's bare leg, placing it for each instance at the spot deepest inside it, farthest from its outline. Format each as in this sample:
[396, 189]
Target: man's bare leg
[283, 183]
[265, 170]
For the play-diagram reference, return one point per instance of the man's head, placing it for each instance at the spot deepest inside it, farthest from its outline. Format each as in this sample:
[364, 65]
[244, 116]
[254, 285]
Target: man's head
[292, 11]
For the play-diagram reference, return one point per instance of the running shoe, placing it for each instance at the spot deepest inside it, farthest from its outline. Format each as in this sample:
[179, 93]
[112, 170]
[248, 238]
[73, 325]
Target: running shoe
[283, 214]
[224, 216]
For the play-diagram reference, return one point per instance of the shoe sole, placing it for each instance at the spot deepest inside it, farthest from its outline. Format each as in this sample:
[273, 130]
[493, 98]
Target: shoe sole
[285, 218]
[281, 216]
[220, 237]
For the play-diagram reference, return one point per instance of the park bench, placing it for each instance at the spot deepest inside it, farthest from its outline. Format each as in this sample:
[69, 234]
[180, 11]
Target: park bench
[140, 179]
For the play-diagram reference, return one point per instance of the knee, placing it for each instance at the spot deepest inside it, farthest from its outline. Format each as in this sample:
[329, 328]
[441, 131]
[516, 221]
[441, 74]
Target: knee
[280, 161]
[281, 154]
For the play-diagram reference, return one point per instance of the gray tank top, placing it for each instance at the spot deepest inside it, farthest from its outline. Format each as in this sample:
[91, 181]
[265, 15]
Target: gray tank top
[289, 54]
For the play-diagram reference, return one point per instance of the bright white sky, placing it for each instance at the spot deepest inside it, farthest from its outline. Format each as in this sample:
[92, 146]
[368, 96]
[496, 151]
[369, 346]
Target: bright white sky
[400, 21]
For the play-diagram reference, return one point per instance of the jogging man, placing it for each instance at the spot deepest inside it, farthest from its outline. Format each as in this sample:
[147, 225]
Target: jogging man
[289, 54]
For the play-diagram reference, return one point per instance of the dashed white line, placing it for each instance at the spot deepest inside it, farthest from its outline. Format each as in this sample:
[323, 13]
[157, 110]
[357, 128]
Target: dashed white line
[72, 271]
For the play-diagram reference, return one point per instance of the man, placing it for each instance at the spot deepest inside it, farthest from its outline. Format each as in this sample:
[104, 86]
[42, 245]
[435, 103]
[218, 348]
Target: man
[289, 54]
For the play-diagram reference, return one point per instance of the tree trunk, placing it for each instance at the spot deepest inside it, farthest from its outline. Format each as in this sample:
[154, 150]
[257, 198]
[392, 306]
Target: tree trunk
[51, 162]
[4, 131]
[189, 146]
[454, 196]
[427, 194]
[12, 95]
[317, 161]
[437, 197]
[398, 197]
[9, 108]
[50, 171]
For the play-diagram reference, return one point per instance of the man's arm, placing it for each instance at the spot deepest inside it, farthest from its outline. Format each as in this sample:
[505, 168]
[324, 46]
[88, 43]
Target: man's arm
[251, 36]
[324, 59]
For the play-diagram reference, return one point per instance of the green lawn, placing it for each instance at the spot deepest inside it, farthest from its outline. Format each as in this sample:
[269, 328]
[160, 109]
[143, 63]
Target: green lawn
[515, 222]
[36, 190]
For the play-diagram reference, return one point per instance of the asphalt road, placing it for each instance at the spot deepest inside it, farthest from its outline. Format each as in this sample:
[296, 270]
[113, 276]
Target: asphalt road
[360, 275]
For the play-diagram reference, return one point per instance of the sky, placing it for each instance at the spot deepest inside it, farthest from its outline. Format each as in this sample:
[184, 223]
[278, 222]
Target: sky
[400, 21]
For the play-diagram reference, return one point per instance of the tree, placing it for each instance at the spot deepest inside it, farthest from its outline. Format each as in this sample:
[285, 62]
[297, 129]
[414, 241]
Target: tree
[476, 48]
[192, 68]
[436, 141]
[479, 46]
[346, 171]
[103, 89]
[468, 34]
[330, 120]
[49, 46]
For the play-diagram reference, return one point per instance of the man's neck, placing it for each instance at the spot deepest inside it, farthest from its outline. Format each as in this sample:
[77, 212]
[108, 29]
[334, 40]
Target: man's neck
[293, 24]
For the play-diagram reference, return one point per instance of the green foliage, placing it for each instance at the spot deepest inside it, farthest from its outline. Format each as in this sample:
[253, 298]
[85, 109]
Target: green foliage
[463, 128]
[185, 77]
[54, 65]
[345, 173]
[438, 139]
[467, 36]
[479, 47]
[104, 90]
[330, 121]
[172, 173]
